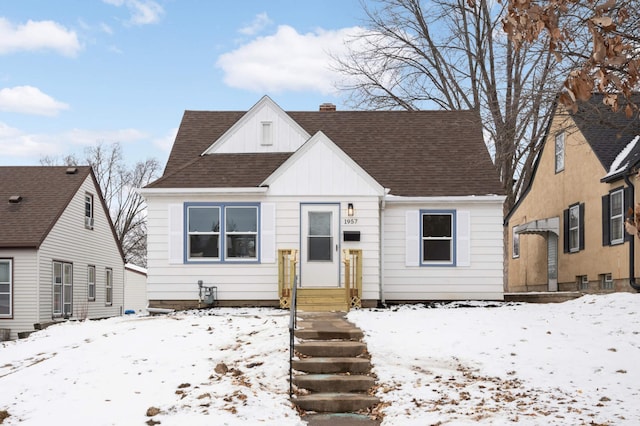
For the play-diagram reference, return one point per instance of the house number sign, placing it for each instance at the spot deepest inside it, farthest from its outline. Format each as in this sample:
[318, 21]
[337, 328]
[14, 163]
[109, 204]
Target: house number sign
[350, 221]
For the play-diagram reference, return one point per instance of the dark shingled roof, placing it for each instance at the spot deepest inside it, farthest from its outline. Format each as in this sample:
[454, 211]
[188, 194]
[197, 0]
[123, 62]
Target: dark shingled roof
[607, 132]
[45, 192]
[413, 153]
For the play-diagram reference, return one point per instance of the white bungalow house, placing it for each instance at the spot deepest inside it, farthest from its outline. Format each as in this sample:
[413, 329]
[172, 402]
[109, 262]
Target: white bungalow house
[370, 206]
[59, 255]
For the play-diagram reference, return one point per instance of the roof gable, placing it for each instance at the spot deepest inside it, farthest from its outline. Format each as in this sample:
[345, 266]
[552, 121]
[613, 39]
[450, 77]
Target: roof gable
[45, 193]
[264, 128]
[412, 153]
[320, 167]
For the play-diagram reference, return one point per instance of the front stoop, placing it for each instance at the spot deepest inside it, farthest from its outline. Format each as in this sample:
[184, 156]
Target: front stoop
[331, 373]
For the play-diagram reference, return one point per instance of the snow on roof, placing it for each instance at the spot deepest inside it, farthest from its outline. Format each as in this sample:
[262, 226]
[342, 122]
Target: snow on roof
[136, 268]
[617, 166]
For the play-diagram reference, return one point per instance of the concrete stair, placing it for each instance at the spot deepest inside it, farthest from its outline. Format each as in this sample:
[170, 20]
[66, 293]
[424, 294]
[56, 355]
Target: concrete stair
[331, 372]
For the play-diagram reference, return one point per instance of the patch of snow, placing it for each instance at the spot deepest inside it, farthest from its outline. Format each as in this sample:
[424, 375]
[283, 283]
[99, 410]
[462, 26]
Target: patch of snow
[617, 166]
[452, 363]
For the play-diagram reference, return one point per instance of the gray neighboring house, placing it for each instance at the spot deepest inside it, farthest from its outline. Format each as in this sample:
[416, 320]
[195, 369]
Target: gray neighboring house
[59, 255]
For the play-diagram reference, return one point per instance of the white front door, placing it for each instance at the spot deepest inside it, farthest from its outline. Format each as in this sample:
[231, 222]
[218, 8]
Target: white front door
[320, 251]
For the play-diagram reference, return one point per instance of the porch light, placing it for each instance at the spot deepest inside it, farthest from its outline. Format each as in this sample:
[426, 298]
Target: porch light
[350, 209]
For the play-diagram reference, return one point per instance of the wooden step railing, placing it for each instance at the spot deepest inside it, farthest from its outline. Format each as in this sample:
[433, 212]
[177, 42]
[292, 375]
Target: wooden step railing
[287, 267]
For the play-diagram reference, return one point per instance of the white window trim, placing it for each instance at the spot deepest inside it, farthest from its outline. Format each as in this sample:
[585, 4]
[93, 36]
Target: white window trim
[91, 283]
[10, 282]
[108, 286]
[559, 153]
[619, 215]
[222, 232]
[515, 243]
[88, 218]
[452, 238]
[266, 133]
[575, 228]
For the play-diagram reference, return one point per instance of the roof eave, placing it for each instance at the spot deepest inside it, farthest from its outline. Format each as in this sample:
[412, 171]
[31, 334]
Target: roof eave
[488, 198]
[202, 191]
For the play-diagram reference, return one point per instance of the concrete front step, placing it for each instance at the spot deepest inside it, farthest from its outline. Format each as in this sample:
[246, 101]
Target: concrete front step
[331, 348]
[329, 334]
[335, 402]
[321, 365]
[334, 382]
[340, 419]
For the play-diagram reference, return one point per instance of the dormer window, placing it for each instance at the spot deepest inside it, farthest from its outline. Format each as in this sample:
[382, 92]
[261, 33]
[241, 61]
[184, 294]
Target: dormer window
[88, 211]
[266, 133]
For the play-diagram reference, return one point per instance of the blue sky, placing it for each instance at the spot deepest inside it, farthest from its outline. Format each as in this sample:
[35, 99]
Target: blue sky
[78, 72]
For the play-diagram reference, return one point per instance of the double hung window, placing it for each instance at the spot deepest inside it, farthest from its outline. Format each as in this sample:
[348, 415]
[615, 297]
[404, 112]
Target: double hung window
[108, 286]
[6, 288]
[438, 233]
[62, 289]
[91, 283]
[219, 232]
[88, 211]
[559, 152]
[616, 216]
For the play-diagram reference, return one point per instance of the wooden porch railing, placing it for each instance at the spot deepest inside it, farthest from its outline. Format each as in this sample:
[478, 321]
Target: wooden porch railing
[352, 260]
[287, 261]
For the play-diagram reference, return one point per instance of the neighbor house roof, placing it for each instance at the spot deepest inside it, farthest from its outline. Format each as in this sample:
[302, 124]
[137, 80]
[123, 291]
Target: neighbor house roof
[413, 153]
[43, 192]
[606, 131]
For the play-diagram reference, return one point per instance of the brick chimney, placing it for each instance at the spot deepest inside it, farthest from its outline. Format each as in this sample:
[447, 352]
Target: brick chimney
[327, 106]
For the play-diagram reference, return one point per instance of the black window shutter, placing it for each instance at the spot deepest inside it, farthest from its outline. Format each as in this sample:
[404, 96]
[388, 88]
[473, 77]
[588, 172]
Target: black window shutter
[628, 195]
[565, 232]
[606, 239]
[581, 227]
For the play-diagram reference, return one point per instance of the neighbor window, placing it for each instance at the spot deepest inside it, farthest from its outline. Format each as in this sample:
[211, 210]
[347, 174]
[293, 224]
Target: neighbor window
[236, 240]
[88, 211]
[438, 237]
[62, 289]
[6, 288]
[91, 283]
[108, 287]
[583, 282]
[559, 152]
[574, 228]
[616, 216]
[515, 241]
[606, 282]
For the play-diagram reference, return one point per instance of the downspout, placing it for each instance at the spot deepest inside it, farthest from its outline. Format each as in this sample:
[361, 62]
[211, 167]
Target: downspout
[383, 302]
[632, 240]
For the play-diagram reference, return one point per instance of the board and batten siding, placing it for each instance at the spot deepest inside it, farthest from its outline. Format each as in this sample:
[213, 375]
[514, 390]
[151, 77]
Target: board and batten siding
[170, 279]
[25, 277]
[69, 241]
[479, 268]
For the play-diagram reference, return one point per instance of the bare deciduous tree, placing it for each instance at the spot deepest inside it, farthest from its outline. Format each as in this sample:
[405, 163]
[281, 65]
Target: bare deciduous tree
[609, 60]
[119, 183]
[453, 54]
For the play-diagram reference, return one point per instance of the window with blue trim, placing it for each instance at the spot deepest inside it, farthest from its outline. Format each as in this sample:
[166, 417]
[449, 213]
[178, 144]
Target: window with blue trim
[220, 232]
[438, 237]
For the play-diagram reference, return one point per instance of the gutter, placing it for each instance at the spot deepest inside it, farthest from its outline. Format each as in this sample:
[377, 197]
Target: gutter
[632, 240]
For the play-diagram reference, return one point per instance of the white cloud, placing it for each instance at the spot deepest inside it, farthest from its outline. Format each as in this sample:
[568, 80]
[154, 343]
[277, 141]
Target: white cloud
[37, 35]
[259, 23]
[143, 12]
[29, 100]
[166, 142]
[18, 146]
[286, 61]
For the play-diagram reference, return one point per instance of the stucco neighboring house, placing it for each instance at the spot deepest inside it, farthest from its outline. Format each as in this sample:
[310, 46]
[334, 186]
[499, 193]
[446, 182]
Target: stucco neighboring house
[566, 233]
[135, 288]
[252, 201]
[59, 255]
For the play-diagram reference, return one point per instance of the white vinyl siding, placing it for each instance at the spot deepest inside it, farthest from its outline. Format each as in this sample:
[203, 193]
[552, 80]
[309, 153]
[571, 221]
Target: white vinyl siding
[479, 265]
[25, 291]
[279, 229]
[70, 242]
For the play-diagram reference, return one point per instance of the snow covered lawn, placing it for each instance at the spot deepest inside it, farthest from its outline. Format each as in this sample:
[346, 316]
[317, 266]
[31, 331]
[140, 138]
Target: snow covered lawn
[559, 364]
